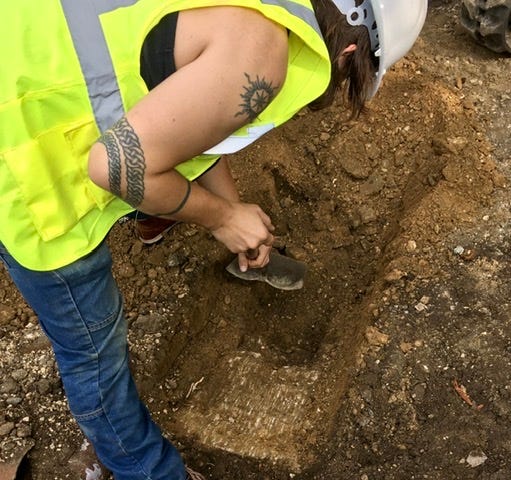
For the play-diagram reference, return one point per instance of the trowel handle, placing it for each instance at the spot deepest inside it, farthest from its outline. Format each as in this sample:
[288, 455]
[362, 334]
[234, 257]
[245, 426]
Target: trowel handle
[252, 253]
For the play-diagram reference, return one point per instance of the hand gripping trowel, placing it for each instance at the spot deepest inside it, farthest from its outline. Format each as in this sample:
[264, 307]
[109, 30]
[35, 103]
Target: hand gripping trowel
[281, 272]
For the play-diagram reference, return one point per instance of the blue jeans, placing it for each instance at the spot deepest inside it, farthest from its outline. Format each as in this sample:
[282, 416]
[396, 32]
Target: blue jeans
[80, 310]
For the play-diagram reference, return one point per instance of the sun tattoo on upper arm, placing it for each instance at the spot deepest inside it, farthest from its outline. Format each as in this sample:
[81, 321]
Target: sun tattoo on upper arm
[123, 138]
[257, 96]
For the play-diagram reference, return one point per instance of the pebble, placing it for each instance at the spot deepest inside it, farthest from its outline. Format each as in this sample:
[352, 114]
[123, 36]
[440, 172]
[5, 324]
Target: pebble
[367, 395]
[43, 386]
[127, 270]
[7, 314]
[406, 347]
[366, 214]
[40, 342]
[23, 431]
[372, 186]
[9, 386]
[469, 254]
[476, 458]
[411, 246]
[394, 275]
[354, 167]
[149, 323]
[375, 337]
[420, 307]
[6, 428]
[297, 253]
[19, 374]
[419, 391]
[137, 247]
[176, 259]
[156, 257]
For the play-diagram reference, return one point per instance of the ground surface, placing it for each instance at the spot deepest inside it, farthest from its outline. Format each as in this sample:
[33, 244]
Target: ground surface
[403, 220]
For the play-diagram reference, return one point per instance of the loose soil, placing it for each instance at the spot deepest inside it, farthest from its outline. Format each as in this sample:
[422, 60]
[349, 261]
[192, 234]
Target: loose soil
[402, 218]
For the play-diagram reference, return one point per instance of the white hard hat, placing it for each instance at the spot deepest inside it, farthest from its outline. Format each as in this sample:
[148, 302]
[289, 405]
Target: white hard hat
[393, 26]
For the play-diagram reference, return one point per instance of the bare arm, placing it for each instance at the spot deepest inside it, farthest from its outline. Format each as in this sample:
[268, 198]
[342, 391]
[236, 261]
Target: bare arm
[194, 109]
[219, 181]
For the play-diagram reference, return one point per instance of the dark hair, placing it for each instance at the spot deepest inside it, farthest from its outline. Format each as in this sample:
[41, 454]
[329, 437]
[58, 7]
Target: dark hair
[356, 77]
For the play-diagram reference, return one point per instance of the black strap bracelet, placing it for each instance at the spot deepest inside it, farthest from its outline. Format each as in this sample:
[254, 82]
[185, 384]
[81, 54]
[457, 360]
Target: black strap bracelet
[184, 200]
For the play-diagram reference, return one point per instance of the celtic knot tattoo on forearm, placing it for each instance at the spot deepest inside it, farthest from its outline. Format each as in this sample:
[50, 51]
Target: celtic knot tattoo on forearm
[257, 96]
[114, 162]
[122, 137]
[134, 161]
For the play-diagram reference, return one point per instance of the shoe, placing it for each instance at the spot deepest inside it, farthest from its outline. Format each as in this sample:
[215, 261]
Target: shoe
[191, 475]
[151, 229]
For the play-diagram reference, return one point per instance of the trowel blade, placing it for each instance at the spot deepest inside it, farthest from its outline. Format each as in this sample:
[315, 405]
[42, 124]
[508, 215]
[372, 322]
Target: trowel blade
[281, 272]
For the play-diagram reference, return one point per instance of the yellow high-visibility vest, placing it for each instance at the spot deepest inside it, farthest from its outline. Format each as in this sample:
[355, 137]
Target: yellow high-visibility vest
[70, 70]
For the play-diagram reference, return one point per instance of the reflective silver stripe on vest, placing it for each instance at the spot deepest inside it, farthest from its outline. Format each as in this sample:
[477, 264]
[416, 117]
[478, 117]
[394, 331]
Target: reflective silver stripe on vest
[300, 11]
[95, 60]
[234, 143]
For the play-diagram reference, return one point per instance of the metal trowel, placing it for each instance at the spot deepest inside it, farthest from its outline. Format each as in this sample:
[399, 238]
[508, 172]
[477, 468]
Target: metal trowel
[281, 272]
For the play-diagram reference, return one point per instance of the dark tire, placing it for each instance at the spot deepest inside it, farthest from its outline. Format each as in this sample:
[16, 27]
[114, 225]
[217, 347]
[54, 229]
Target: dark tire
[489, 22]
